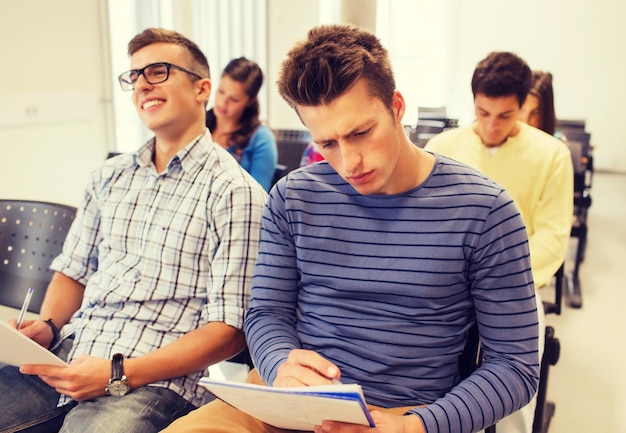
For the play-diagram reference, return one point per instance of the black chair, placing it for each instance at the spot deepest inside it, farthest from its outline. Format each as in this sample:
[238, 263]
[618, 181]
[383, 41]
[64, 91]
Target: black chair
[31, 236]
[291, 144]
[554, 307]
[243, 357]
[436, 115]
[544, 411]
[570, 124]
[279, 171]
[582, 159]
[424, 130]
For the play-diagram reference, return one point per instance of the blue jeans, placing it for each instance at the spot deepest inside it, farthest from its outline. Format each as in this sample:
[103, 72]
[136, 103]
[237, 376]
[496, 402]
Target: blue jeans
[29, 405]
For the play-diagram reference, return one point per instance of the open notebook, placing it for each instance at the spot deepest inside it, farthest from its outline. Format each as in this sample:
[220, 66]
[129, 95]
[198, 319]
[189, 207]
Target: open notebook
[299, 408]
[18, 349]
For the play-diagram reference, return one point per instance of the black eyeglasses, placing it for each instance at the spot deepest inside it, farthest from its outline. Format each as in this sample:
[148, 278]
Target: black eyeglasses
[154, 73]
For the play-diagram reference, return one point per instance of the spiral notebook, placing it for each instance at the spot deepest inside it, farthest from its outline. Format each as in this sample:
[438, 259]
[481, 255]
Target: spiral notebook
[298, 408]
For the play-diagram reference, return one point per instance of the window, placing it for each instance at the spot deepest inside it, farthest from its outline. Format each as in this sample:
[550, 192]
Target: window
[416, 33]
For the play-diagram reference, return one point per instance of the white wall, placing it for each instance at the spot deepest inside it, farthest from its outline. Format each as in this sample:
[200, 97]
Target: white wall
[53, 98]
[289, 21]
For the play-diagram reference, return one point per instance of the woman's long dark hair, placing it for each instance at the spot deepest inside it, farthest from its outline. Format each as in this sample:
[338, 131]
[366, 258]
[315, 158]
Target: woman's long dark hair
[249, 73]
[541, 87]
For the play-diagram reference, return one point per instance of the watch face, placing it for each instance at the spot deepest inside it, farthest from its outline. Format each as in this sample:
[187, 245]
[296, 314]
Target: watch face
[118, 388]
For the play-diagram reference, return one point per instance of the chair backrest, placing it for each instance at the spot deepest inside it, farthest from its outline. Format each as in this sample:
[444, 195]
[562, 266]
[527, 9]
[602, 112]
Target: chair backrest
[431, 112]
[448, 122]
[559, 282]
[570, 124]
[471, 356]
[429, 126]
[31, 236]
[291, 144]
[279, 171]
[424, 130]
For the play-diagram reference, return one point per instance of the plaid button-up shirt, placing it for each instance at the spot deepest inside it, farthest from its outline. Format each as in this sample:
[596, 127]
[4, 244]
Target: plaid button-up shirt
[162, 254]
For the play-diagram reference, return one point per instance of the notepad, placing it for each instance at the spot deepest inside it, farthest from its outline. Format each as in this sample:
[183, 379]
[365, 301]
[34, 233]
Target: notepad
[298, 408]
[18, 349]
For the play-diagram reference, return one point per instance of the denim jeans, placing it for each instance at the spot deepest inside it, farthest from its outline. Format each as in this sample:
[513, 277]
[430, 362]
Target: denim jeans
[29, 405]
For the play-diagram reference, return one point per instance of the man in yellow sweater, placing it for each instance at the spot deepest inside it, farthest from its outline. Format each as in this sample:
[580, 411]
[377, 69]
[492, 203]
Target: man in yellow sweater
[534, 167]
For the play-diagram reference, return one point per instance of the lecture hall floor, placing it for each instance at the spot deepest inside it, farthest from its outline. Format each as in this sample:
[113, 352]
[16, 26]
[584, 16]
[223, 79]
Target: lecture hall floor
[588, 384]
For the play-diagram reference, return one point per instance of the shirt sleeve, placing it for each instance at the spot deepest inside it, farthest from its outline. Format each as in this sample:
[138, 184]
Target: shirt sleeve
[506, 314]
[236, 226]
[552, 219]
[271, 329]
[79, 257]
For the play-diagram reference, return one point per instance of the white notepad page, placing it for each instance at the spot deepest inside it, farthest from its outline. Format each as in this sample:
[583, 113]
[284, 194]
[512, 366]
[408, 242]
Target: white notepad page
[18, 349]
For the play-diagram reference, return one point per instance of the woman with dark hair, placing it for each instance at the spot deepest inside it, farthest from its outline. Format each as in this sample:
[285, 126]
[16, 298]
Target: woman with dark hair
[234, 120]
[538, 109]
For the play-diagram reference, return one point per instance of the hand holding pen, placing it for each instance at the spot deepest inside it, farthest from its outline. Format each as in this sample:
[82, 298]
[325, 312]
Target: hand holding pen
[25, 305]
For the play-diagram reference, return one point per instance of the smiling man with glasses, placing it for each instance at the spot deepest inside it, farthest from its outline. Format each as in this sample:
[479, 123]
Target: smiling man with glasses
[155, 274]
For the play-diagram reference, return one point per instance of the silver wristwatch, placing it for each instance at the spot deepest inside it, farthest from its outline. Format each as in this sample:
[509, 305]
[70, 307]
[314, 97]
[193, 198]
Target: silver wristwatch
[118, 384]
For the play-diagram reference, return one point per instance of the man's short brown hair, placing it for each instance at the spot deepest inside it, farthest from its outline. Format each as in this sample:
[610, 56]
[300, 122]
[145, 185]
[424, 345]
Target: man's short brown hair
[501, 74]
[197, 60]
[330, 61]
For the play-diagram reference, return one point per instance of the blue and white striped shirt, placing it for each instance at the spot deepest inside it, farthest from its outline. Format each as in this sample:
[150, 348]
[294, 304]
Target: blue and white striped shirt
[162, 254]
[386, 287]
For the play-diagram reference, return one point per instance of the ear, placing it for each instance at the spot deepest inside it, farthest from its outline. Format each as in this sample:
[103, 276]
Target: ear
[204, 90]
[398, 105]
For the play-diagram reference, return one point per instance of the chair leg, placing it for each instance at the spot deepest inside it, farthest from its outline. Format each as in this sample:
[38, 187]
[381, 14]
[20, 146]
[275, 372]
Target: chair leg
[545, 409]
[572, 286]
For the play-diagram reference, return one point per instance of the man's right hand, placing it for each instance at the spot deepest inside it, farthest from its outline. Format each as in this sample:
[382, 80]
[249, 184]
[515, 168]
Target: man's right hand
[306, 368]
[36, 330]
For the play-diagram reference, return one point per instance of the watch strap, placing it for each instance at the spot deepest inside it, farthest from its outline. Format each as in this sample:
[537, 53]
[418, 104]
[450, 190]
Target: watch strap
[56, 334]
[117, 366]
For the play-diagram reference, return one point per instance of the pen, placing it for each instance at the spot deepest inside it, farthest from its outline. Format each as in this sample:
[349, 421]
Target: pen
[20, 318]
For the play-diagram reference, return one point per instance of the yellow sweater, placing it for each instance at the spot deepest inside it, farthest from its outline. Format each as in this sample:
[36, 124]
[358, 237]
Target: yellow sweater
[536, 169]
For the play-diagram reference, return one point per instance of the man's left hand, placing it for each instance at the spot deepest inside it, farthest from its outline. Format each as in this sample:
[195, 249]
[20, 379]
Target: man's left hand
[385, 423]
[84, 379]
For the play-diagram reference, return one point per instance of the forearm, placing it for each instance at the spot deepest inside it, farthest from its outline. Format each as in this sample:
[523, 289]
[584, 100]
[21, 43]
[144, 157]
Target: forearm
[63, 298]
[269, 342]
[194, 351]
[506, 315]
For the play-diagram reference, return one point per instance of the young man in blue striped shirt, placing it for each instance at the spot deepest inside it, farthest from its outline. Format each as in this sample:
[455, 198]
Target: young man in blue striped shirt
[376, 262]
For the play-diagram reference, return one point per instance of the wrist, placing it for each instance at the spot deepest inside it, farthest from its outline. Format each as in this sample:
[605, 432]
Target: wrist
[56, 333]
[118, 385]
[413, 423]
